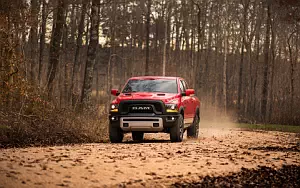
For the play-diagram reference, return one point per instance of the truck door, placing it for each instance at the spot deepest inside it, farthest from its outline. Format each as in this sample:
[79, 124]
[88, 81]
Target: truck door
[183, 98]
[186, 101]
[190, 101]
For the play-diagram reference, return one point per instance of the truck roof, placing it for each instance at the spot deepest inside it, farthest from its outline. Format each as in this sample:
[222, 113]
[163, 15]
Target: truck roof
[154, 77]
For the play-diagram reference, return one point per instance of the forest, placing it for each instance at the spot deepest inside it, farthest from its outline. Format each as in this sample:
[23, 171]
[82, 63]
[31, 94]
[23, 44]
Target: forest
[59, 59]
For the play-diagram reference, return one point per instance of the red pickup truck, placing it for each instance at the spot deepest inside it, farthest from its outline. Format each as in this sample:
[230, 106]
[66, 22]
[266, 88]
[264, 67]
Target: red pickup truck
[153, 104]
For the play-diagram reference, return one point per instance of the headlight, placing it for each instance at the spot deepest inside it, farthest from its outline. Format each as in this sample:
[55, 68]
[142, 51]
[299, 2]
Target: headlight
[171, 108]
[114, 107]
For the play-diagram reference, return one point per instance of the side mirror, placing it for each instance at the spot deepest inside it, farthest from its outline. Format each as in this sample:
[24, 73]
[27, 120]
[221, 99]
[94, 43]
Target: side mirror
[189, 92]
[115, 92]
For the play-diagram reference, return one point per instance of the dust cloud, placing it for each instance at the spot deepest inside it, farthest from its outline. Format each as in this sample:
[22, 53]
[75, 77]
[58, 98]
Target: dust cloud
[214, 122]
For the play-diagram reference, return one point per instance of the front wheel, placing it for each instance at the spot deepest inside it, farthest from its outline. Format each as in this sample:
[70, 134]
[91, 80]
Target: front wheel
[176, 132]
[115, 134]
[193, 130]
[137, 136]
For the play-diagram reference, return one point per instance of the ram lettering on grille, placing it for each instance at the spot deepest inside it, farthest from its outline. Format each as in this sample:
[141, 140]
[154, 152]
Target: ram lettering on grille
[141, 108]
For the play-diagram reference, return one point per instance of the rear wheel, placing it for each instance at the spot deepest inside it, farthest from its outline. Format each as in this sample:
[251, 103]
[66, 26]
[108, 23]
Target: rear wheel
[176, 132]
[115, 134]
[193, 130]
[137, 136]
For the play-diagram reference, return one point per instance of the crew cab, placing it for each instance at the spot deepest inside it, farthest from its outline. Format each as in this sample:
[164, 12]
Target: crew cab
[152, 104]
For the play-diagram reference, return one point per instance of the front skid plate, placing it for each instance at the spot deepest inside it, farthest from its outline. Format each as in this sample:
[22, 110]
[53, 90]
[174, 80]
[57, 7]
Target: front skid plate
[145, 124]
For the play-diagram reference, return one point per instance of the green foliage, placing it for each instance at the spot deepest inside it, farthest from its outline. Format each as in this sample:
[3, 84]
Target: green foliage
[270, 127]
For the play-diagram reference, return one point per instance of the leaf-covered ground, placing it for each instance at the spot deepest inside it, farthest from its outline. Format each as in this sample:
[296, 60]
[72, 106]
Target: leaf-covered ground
[220, 157]
[287, 176]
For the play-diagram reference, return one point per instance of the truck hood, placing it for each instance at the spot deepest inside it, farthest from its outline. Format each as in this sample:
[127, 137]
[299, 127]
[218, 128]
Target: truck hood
[165, 97]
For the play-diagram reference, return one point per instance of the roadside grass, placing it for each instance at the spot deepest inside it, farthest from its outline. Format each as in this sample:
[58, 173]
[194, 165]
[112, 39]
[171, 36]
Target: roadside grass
[28, 118]
[51, 127]
[270, 127]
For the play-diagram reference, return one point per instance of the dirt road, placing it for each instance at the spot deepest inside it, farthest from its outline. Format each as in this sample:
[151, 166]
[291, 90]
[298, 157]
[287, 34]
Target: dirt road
[154, 163]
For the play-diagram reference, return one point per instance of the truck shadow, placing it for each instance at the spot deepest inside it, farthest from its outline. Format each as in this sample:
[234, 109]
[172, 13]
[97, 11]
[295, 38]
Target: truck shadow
[146, 141]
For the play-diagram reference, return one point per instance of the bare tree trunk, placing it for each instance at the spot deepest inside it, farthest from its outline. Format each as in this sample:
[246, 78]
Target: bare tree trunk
[165, 38]
[64, 68]
[271, 87]
[266, 65]
[177, 39]
[198, 69]
[225, 59]
[97, 72]
[209, 44]
[218, 45]
[148, 37]
[33, 38]
[42, 41]
[177, 31]
[55, 46]
[87, 26]
[91, 54]
[185, 27]
[59, 85]
[74, 90]
[192, 48]
[241, 70]
[72, 27]
[292, 70]
[113, 55]
[260, 16]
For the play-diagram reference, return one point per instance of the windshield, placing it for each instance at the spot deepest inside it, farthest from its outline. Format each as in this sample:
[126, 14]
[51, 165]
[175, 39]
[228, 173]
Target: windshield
[159, 86]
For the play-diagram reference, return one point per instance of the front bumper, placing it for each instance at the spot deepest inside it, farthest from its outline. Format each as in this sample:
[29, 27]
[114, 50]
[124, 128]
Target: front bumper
[144, 122]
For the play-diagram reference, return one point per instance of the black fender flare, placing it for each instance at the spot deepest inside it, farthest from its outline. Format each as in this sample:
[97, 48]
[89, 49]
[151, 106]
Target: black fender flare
[181, 111]
[198, 111]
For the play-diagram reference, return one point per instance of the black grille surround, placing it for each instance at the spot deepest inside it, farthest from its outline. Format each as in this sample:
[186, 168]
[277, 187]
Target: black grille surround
[157, 106]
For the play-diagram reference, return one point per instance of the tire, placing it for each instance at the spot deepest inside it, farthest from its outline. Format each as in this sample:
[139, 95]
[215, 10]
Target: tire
[137, 136]
[115, 134]
[193, 130]
[176, 132]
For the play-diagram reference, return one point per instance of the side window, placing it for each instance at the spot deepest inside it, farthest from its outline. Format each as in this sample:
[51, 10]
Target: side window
[182, 90]
[185, 85]
[182, 86]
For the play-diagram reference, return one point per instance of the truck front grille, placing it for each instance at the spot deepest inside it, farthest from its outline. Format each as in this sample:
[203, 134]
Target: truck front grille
[141, 106]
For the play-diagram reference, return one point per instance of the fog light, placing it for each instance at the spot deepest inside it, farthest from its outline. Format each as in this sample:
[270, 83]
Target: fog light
[114, 118]
[125, 125]
[170, 118]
